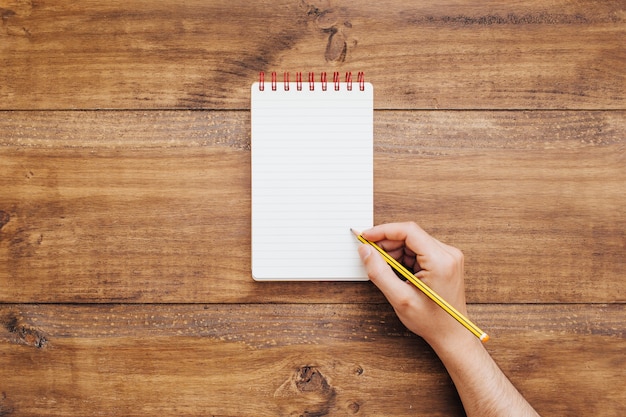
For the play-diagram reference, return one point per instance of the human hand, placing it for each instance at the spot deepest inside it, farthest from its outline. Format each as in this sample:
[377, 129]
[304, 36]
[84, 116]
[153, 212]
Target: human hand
[482, 386]
[438, 265]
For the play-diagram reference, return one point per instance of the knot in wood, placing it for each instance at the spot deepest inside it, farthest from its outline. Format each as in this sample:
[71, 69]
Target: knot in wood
[309, 379]
[306, 393]
[23, 333]
[4, 218]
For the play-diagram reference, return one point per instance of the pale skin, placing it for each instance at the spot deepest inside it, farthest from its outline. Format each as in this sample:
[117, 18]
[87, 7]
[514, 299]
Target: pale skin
[484, 390]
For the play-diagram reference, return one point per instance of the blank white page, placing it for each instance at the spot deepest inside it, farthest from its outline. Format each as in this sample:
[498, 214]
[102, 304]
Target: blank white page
[312, 180]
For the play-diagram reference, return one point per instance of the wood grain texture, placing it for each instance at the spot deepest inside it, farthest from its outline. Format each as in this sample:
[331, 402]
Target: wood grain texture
[155, 206]
[198, 54]
[268, 360]
[499, 126]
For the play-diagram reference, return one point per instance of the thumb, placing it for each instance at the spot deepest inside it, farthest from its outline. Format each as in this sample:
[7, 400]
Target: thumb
[381, 274]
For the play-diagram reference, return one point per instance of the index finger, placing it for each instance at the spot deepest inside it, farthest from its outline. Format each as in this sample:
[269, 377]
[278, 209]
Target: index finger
[415, 237]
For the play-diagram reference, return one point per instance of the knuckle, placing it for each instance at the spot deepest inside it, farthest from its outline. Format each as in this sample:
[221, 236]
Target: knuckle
[413, 226]
[453, 260]
[457, 255]
[405, 302]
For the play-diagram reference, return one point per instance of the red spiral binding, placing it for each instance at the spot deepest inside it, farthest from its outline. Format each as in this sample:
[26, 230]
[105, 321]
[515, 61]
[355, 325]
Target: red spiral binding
[323, 79]
[262, 81]
[299, 81]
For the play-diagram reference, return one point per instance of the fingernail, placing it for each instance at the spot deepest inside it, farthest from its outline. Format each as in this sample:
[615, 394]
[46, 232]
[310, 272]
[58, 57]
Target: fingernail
[365, 251]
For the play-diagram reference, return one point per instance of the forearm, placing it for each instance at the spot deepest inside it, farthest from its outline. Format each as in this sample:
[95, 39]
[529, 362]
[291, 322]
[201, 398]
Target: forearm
[484, 390]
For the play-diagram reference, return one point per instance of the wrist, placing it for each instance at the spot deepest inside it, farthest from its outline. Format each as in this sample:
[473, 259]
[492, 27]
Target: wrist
[454, 343]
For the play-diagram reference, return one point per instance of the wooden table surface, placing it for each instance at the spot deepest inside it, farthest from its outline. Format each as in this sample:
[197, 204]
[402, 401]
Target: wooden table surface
[125, 285]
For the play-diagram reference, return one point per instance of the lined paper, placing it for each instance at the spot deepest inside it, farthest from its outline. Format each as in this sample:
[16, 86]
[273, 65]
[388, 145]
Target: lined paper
[312, 180]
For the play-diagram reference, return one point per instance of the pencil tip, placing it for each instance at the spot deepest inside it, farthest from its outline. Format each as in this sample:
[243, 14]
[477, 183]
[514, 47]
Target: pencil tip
[354, 232]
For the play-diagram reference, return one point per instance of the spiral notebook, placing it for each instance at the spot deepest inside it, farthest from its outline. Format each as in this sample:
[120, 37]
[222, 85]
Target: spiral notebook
[312, 176]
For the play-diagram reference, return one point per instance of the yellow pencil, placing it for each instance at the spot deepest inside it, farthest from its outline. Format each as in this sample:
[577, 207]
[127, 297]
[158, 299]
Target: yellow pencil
[484, 337]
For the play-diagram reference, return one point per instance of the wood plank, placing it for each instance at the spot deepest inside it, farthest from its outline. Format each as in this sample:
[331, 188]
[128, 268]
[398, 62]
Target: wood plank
[268, 360]
[155, 206]
[534, 199]
[198, 54]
